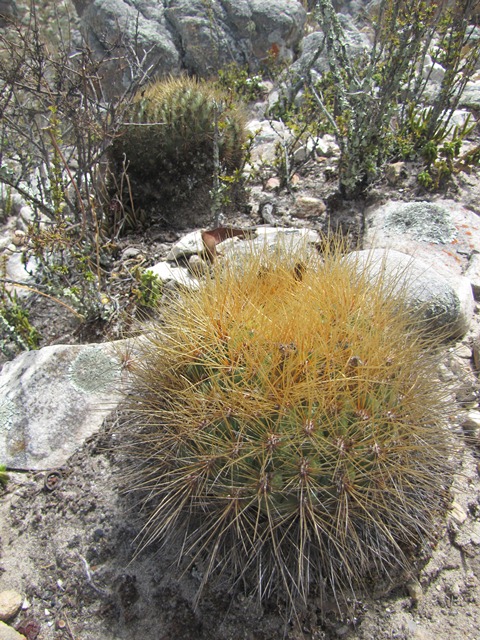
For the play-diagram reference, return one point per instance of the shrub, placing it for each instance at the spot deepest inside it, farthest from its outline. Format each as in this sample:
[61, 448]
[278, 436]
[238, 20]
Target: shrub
[56, 125]
[287, 424]
[378, 104]
[179, 132]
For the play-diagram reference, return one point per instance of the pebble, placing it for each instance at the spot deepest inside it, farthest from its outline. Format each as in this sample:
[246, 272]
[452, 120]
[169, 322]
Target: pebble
[9, 633]
[458, 513]
[307, 206]
[471, 426]
[272, 184]
[415, 591]
[463, 351]
[130, 253]
[19, 238]
[10, 603]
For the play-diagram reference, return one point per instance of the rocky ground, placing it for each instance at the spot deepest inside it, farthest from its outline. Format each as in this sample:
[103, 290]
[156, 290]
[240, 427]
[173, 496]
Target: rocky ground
[68, 563]
[68, 541]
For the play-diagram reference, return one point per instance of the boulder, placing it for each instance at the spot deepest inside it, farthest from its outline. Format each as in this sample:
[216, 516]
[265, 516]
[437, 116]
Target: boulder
[441, 301]
[190, 35]
[8, 12]
[443, 232]
[52, 399]
[114, 29]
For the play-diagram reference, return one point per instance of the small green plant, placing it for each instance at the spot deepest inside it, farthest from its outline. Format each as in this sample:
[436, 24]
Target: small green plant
[149, 289]
[3, 475]
[287, 425]
[16, 330]
[168, 145]
[237, 79]
[437, 150]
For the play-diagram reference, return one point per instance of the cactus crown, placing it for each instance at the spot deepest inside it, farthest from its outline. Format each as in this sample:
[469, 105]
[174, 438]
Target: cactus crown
[287, 420]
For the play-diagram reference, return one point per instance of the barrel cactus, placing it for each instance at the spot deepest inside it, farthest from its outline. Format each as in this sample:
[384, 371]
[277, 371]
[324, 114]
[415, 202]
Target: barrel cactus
[167, 144]
[286, 421]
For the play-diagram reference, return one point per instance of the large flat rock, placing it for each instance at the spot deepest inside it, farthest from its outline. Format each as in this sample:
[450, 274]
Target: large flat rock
[52, 399]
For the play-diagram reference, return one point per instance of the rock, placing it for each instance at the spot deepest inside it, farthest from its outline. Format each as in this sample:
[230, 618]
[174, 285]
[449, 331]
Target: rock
[268, 135]
[16, 270]
[272, 184]
[424, 221]
[356, 43]
[10, 603]
[9, 633]
[169, 273]
[52, 399]
[131, 253]
[442, 303]
[307, 207]
[8, 11]
[463, 351]
[432, 71]
[470, 97]
[476, 353]
[112, 26]
[443, 231]
[187, 246]
[198, 266]
[467, 537]
[267, 212]
[458, 513]
[271, 239]
[269, 131]
[19, 238]
[473, 274]
[394, 172]
[265, 237]
[27, 214]
[189, 35]
[471, 426]
[326, 146]
[415, 591]
[467, 395]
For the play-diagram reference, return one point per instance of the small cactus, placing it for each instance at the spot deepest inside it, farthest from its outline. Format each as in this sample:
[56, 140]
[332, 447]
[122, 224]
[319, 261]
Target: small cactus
[167, 144]
[286, 420]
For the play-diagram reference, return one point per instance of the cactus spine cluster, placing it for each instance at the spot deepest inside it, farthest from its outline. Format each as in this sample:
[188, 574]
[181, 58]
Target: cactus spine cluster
[287, 421]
